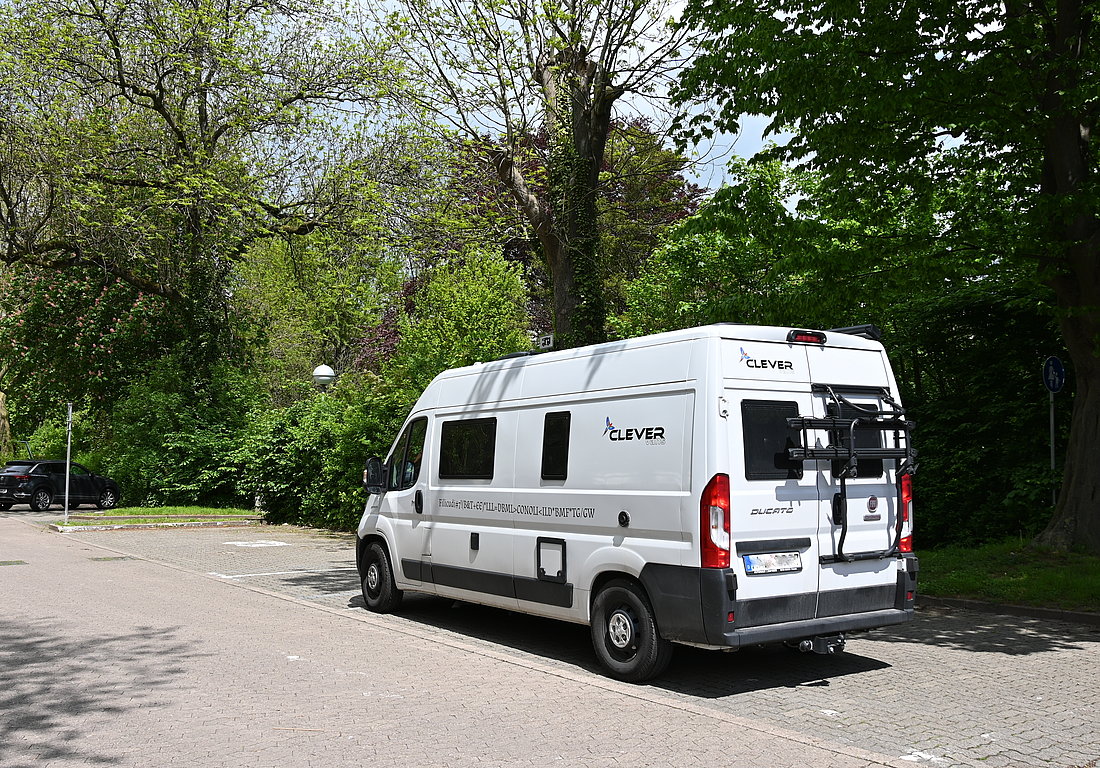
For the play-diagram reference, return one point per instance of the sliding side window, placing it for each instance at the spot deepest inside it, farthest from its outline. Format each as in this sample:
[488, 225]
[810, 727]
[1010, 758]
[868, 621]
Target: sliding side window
[555, 446]
[767, 438]
[467, 449]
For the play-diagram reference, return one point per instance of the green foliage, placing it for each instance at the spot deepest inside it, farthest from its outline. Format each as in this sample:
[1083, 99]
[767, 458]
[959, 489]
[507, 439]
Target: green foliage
[73, 336]
[310, 300]
[173, 436]
[156, 142]
[305, 461]
[468, 312]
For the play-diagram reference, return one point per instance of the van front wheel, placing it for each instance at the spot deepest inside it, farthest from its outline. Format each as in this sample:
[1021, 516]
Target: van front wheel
[379, 592]
[624, 633]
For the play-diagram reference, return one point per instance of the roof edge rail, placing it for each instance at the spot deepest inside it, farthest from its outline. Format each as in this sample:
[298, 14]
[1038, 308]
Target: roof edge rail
[867, 331]
[514, 355]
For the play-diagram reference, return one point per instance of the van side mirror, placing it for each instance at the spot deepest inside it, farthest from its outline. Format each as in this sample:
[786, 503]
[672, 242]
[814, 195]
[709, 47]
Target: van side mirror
[374, 476]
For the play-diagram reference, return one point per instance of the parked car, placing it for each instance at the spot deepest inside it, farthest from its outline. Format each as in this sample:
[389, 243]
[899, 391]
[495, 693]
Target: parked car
[42, 483]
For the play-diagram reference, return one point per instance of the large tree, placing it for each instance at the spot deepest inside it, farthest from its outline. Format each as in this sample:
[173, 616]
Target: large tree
[898, 96]
[156, 142]
[499, 72]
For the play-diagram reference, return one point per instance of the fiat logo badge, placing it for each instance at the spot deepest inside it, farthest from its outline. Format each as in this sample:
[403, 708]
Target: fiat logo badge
[872, 504]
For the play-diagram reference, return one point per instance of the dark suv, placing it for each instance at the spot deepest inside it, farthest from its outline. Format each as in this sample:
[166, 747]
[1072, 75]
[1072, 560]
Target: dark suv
[42, 483]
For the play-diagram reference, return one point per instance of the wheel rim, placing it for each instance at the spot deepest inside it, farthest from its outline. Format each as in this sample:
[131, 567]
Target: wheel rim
[622, 636]
[374, 577]
[620, 630]
[41, 499]
[107, 499]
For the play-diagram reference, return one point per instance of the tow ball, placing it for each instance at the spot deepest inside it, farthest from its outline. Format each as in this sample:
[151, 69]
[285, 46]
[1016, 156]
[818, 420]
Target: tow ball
[823, 644]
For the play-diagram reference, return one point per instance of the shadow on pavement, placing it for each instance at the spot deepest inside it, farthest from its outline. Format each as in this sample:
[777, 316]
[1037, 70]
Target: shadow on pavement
[695, 672]
[53, 690]
[988, 633]
[325, 582]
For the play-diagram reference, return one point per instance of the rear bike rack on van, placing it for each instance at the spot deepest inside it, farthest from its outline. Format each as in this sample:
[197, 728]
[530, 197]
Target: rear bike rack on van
[842, 448]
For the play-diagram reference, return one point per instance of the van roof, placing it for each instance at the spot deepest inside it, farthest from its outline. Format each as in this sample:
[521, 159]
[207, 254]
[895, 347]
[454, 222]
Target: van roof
[735, 331]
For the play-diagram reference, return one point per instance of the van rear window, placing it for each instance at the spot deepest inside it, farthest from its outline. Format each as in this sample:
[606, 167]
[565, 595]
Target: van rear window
[865, 438]
[467, 449]
[767, 438]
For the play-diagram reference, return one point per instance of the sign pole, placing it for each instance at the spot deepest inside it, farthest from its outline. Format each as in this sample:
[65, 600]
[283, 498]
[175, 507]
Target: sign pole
[1054, 378]
[68, 457]
[1053, 491]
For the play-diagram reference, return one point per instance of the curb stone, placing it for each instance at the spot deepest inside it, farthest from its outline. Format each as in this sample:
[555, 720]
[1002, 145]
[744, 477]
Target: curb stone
[147, 526]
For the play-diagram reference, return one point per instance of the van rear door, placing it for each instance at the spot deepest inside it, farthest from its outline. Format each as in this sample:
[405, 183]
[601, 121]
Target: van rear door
[856, 441]
[774, 510]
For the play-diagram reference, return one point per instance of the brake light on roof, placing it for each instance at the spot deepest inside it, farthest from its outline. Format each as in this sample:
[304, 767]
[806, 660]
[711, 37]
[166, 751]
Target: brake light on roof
[806, 337]
[906, 542]
[714, 523]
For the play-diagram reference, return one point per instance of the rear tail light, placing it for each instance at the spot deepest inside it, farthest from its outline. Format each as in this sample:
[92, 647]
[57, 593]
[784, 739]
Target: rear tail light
[714, 523]
[906, 542]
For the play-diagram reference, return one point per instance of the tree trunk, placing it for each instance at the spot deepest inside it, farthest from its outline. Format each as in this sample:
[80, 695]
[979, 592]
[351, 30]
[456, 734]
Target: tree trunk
[7, 448]
[1076, 520]
[1074, 232]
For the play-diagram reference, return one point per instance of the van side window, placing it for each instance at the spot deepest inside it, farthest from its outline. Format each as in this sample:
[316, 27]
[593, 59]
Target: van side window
[467, 449]
[767, 438]
[555, 446]
[408, 456]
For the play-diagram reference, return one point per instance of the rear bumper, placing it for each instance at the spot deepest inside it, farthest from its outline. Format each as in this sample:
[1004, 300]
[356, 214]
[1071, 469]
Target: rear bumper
[694, 605]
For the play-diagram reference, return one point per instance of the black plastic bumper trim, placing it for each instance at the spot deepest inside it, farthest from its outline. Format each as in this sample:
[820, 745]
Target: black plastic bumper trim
[772, 545]
[490, 583]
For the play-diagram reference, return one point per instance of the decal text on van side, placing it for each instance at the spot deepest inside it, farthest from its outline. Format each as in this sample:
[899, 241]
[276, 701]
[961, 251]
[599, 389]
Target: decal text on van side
[643, 433]
[773, 511]
[752, 362]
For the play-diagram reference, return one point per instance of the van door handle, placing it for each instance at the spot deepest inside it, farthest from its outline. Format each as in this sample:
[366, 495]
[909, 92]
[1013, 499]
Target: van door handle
[418, 503]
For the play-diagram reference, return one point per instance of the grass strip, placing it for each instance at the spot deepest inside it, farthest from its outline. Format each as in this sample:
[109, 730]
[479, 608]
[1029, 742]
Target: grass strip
[139, 515]
[1012, 572]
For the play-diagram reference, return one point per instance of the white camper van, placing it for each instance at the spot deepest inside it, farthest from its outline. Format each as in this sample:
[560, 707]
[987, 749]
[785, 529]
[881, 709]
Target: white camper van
[719, 487]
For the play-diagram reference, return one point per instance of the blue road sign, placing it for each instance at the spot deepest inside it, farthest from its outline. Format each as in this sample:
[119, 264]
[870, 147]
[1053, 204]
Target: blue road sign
[1054, 374]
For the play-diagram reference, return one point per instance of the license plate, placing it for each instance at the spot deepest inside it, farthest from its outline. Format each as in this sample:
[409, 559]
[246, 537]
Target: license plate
[772, 562]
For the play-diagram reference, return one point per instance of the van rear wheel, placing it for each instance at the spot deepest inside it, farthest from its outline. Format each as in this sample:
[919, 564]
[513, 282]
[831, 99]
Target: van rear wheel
[379, 591]
[624, 633]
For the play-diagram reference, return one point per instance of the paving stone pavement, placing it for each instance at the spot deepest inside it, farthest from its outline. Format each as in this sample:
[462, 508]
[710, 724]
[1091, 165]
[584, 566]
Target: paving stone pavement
[291, 670]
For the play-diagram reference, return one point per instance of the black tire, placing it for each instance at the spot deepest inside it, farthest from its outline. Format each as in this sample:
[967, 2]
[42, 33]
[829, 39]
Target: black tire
[41, 499]
[379, 591]
[624, 633]
[108, 498]
[5, 507]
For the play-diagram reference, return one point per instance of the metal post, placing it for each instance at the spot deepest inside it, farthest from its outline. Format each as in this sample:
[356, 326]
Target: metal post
[68, 457]
[1053, 491]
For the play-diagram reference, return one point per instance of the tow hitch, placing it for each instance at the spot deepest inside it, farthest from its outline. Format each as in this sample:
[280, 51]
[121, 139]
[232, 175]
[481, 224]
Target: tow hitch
[823, 644]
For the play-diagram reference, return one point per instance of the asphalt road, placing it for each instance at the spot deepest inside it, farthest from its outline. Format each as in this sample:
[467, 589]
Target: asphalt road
[250, 646]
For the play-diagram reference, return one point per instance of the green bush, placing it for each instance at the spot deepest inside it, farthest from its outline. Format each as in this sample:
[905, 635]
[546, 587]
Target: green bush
[304, 462]
[174, 437]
